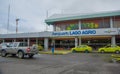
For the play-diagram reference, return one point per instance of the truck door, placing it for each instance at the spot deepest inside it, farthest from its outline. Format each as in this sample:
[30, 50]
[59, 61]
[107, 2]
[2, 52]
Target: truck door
[9, 48]
[13, 48]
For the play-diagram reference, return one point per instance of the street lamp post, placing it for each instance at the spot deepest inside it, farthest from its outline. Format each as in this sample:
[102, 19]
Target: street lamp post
[17, 25]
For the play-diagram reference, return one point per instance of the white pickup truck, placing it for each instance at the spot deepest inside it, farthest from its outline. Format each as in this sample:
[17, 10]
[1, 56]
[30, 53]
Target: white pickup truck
[20, 49]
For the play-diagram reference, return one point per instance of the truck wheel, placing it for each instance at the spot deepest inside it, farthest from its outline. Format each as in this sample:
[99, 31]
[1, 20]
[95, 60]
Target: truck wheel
[73, 51]
[31, 55]
[3, 53]
[86, 51]
[102, 51]
[20, 54]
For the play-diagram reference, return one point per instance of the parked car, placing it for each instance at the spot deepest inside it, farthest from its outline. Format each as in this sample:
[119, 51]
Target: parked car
[21, 49]
[110, 48]
[82, 48]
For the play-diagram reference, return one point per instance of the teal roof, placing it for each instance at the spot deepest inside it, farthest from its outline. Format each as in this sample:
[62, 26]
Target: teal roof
[65, 17]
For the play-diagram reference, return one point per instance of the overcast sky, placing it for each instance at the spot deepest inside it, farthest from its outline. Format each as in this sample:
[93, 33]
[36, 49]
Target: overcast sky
[32, 13]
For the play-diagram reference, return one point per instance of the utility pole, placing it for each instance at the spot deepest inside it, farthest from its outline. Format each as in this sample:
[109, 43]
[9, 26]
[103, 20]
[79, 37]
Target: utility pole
[46, 17]
[8, 18]
[17, 25]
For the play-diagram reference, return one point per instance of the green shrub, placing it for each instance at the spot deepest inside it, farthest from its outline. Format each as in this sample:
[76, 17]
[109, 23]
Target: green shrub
[40, 47]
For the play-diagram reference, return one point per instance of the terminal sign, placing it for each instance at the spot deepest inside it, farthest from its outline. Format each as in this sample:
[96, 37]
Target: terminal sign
[74, 33]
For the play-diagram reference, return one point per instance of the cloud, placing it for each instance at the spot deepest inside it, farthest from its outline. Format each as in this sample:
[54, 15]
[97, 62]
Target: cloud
[86, 6]
[32, 13]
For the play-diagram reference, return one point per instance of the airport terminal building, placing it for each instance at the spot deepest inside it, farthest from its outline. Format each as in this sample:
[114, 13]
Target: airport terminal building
[70, 30]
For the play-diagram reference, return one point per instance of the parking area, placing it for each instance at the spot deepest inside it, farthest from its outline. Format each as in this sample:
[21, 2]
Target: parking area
[72, 63]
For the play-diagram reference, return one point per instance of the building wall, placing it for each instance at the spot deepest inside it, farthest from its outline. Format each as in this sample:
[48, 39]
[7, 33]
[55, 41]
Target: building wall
[67, 41]
[93, 23]
[66, 25]
[116, 22]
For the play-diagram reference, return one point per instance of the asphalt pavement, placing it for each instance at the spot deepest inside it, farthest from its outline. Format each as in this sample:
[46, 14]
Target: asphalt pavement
[73, 63]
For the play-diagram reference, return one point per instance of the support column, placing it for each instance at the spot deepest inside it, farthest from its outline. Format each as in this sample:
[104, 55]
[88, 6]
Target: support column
[113, 40]
[79, 23]
[76, 42]
[14, 40]
[111, 22]
[54, 28]
[28, 41]
[36, 40]
[3, 40]
[80, 41]
[23, 40]
[80, 36]
[46, 44]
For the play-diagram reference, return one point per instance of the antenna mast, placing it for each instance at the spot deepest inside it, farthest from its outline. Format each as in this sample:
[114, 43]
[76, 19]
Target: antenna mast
[8, 18]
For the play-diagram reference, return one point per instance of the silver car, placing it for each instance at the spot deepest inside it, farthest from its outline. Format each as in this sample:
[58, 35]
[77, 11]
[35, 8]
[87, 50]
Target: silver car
[19, 48]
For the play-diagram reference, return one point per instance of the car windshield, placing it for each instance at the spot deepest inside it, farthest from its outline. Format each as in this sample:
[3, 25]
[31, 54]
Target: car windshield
[81, 46]
[110, 46]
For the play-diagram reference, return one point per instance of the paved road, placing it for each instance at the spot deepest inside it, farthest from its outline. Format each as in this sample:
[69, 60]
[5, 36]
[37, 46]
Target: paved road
[74, 63]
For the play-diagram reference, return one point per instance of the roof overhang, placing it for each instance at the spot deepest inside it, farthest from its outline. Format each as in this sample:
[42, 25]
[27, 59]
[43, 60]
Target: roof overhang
[53, 19]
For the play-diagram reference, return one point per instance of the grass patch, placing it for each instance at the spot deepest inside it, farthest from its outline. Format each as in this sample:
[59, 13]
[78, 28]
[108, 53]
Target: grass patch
[116, 57]
[57, 52]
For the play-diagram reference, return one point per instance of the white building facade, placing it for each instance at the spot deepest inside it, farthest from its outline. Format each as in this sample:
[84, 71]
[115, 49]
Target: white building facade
[96, 30]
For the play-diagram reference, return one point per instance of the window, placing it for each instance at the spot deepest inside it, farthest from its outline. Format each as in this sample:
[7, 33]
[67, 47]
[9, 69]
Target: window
[116, 21]
[63, 27]
[15, 45]
[116, 24]
[23, 44]
[95, 23]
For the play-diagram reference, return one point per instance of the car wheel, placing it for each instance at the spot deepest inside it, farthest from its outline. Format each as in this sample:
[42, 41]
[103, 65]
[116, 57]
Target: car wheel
[20, 54]
[102, 51]
[86, 51]
[3, 53]
[73, 51]
[117, 51]
[31, 55]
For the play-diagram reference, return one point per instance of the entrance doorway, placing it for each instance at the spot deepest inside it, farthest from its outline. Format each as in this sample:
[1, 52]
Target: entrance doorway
[96, 41]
